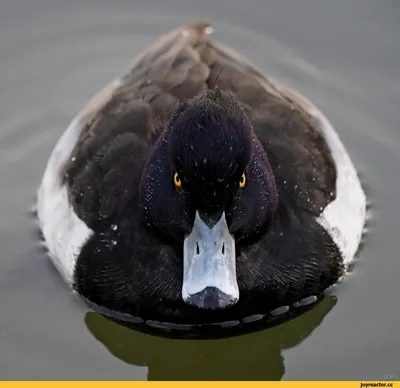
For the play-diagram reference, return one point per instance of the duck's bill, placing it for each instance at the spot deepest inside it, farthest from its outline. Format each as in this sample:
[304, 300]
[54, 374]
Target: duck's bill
[209, 265]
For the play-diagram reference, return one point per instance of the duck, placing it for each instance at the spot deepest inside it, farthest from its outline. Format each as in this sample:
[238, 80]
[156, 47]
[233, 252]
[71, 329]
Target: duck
[195, 190]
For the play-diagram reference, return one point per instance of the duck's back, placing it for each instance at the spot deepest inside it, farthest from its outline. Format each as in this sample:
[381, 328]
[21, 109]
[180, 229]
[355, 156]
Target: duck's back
[101, 156]
[176, 68]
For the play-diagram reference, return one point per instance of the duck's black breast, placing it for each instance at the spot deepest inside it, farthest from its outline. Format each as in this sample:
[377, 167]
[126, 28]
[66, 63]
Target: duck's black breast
[125, 267]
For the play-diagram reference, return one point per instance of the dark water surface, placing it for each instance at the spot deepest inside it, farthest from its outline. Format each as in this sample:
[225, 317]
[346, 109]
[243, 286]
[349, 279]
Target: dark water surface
[54, 55]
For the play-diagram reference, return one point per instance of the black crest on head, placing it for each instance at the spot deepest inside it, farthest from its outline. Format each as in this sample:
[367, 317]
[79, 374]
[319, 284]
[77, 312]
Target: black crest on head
[210, 138]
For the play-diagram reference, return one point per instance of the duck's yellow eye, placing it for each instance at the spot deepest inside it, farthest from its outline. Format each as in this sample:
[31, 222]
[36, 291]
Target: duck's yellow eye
[242, 181]
[177, 180]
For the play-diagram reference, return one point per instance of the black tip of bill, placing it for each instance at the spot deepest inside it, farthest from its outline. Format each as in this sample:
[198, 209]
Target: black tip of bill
[211, 298]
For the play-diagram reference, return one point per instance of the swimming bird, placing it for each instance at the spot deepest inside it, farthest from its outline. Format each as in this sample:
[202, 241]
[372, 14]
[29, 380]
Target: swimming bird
[193, 189]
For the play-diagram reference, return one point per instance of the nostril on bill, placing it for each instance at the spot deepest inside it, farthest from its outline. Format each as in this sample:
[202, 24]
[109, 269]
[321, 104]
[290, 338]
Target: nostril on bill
[223, 248]
[197, 249]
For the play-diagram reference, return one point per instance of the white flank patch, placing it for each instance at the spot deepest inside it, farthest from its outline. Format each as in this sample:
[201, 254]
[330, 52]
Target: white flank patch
[63, 231]
[343, 218]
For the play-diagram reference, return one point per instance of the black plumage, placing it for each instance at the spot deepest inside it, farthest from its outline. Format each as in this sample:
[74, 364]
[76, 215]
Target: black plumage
[176, 111]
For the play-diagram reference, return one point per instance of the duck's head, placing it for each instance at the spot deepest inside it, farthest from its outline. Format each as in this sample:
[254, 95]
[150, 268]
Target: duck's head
[208, 186]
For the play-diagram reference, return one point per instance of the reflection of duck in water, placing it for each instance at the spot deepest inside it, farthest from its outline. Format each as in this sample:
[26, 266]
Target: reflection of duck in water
[238, 201]
[254, 356]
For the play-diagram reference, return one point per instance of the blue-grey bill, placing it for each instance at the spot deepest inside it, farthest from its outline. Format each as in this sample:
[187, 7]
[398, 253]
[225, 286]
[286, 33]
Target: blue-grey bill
[209, 266]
